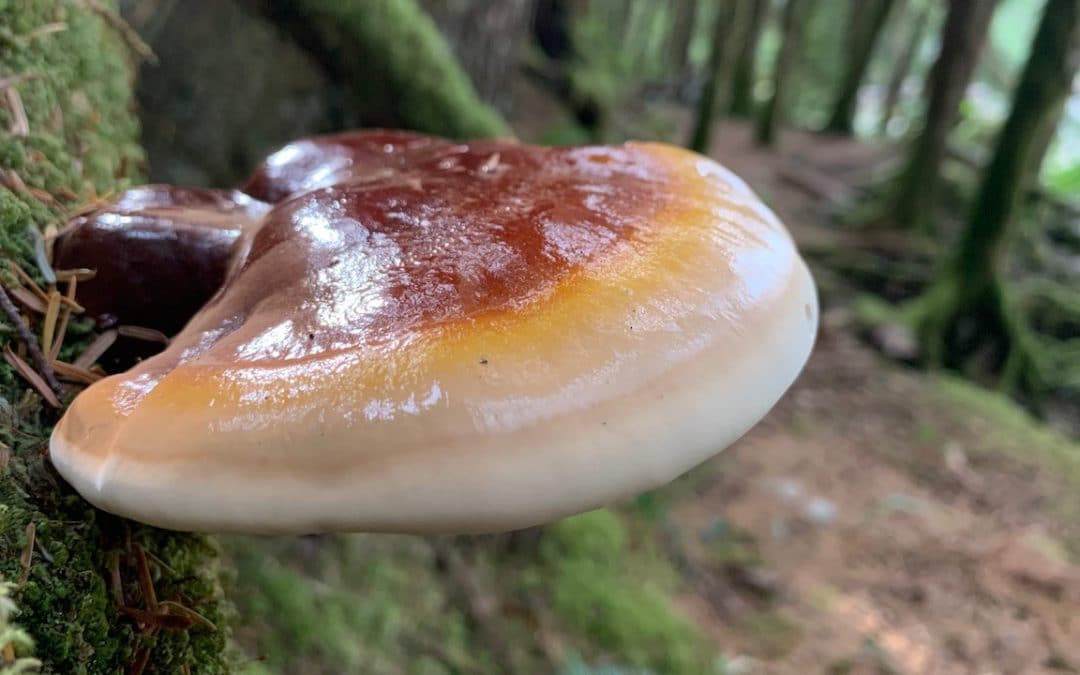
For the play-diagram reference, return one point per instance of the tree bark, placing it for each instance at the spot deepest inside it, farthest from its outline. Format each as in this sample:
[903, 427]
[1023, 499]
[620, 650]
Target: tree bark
[870, 18]
[742, 81]
[487, 38]
[791, 36]
[70, 136]
[682, 32]
[551, 28]
[721, 52]
[966, 308]
[399, 70]
[966, 26]
[902, 67]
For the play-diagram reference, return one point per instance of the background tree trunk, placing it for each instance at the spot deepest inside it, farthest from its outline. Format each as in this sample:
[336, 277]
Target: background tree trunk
[400, 71]
[70, 136]
[729, 23]
[246, 94]
[902, 67]
[551, 28]
[682, 32]
[966, 27]
[966, 308]
[742, 81]
[791, 34]
[487, 38]
[870, 17]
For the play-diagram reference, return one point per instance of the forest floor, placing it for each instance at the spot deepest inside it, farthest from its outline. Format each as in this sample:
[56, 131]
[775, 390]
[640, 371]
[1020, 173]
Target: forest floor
[880, 519]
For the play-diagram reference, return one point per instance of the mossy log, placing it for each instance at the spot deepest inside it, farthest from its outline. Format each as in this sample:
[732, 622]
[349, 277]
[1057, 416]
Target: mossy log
[400, 72]
[67, 136]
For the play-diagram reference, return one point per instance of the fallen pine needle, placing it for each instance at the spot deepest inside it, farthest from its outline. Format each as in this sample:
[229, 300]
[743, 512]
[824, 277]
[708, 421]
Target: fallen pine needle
[46, 29]
[77, 274]
[96, 349]
[46, 377]
[72, 373]
[28, 281]
[65, 315]
[143, 333]
[27, 556]
[28, 300]
[48, 325]
[31, 376]
[20, 124]
[176, 609]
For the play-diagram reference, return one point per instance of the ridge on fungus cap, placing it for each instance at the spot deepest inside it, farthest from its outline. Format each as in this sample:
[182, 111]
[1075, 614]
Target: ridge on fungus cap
[439, 337]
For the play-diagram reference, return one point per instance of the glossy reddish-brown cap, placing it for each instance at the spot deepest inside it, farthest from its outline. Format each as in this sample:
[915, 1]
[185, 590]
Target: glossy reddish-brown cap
[429, 336]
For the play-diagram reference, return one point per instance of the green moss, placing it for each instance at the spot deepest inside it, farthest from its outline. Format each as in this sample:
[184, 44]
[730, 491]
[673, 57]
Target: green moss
[393, 63]
[1014, 430]
[589, 569]
[352, 603]
[81, 145]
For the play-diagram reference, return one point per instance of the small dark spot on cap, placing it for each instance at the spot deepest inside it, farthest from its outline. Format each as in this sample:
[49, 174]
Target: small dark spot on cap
[483, 362]
[311, 336]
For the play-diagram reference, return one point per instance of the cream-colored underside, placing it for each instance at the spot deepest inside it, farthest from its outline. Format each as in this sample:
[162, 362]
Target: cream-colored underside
[489, 482]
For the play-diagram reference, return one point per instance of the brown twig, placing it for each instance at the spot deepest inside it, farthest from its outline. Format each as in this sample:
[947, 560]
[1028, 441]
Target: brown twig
[31, 342]
[126, 32]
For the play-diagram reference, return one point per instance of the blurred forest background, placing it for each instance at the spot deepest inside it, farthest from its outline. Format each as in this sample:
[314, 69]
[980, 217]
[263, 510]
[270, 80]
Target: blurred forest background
[911, 506]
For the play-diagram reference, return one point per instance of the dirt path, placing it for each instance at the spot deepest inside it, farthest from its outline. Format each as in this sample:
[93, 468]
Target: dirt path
[869, 524]
[928, 552]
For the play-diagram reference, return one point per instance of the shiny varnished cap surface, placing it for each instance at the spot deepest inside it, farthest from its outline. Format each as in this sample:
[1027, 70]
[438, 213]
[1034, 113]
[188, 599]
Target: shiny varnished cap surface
[459, 233]
[424, 335]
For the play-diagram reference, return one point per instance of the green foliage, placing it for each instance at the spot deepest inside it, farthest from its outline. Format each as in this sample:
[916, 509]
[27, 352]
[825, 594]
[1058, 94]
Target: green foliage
[13, 638]
[81, 143]
[1065, 181]
[617, 49]
[588, 567]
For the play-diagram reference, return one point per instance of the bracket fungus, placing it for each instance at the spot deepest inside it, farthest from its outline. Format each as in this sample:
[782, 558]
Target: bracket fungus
[418, 335]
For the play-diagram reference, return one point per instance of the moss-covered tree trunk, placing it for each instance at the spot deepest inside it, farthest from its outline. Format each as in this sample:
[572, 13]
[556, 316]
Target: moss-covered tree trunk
[965, 310]
[902, 66]
[67, 136]
[791, 36]
[869, 20]
[742, 79]
[915, 197]
[729, 22]
[399, 70]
